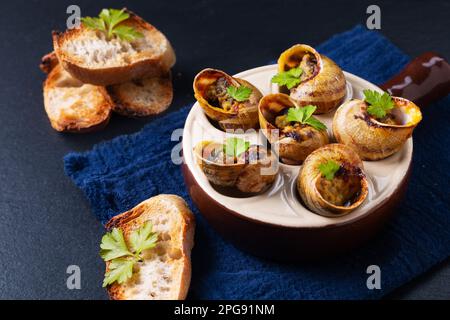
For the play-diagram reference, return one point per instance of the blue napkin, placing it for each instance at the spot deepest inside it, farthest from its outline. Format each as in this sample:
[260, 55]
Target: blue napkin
[118, 174]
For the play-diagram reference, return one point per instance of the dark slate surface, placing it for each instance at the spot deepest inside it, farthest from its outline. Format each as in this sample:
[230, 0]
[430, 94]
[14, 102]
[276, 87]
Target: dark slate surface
[45, 220]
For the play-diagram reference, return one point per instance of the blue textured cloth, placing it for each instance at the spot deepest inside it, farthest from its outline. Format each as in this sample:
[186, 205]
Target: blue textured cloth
[118, 174]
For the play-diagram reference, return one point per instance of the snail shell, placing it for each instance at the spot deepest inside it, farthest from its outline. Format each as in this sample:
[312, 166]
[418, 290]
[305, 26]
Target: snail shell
[245, 173]
[291, 151]
[238, 115]
[369, 137]
[324, 83]
[344, 193]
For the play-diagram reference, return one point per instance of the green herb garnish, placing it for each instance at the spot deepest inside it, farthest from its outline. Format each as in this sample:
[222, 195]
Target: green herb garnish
[289, 78]
[304, 115]
[329, 169]
[241, 93]
[379, 103]
[108, 22]
[235, 146]
[121, 257]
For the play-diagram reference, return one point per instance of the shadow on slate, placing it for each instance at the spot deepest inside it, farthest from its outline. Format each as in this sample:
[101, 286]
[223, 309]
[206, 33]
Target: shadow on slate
[117, 175]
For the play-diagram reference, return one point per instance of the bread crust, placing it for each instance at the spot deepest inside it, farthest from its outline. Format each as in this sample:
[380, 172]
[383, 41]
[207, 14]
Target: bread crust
[82, 124]
[135, 217]
[146, 67]
[49, 62]
[125, 95]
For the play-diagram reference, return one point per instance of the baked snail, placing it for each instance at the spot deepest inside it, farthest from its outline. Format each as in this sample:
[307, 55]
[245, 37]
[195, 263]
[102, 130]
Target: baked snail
[310, 78]
[376, 127]
[299, 133]
[332, 182]
[237, 164]
[232, 102]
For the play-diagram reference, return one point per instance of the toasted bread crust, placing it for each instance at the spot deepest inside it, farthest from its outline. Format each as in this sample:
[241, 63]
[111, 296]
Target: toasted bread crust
[157, 94]
[145, 67]
[84, 121]
[137, 216]
[49, 62]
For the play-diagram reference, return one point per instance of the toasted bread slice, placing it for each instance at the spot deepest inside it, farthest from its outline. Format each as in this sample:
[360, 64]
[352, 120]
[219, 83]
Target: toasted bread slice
[73, 106]
[92, 58]
[142, 98]
[165, 273]
[136, 98]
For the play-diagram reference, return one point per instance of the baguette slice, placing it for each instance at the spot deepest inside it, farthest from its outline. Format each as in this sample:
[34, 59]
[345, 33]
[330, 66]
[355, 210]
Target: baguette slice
[165, 273]
[136, 98]
[73, 106]
[90, 57]
[142, 98]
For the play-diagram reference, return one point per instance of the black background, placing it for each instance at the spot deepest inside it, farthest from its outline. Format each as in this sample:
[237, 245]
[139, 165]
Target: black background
[45, 222]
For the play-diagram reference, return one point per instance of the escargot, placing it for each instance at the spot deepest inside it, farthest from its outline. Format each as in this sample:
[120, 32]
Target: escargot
[371, 137]
[320, 82]
[231, 102]
[251, 169]
[332, 182]
[297, 137]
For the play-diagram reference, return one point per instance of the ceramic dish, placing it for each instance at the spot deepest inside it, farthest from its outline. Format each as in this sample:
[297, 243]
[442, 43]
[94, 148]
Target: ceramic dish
[275, 223]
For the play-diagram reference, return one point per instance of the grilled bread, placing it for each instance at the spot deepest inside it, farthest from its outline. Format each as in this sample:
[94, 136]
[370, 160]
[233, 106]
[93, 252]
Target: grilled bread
[92, 58]
[165, 273]
[136, 98]
[142, 98]
[73, 106]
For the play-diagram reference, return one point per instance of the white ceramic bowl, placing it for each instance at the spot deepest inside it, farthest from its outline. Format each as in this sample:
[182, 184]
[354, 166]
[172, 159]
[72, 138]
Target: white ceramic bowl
[279, 207]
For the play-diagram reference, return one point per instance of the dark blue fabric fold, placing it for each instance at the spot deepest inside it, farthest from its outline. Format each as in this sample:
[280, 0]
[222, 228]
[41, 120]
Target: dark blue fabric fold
[118, 174]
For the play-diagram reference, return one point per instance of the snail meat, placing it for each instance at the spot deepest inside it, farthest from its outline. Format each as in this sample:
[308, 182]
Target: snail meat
[242, 169]
[232, 102]
[320, 82]
[295, 139]
[332, 182]
[372, 137]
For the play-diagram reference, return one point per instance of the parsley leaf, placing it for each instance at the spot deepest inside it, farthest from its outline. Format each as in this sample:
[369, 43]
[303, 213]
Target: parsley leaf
[304, 115]
[143, 238]
[108, 22]
[121, 259]
[295, 115]
[241, 93]
[289, 78]
[329, 169]
[113, 245]
[119, 270]
[313, 122]
[94, 23]
[379, 103]
[127, 33]
[235, 146]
